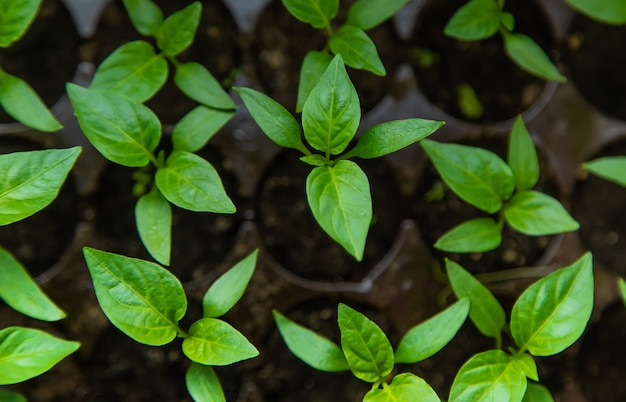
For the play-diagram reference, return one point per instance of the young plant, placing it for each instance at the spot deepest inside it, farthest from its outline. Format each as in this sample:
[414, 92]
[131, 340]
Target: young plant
[608, 11]
[112, 116]
[482, 19]
[29, 181]
[17, 97]
[146, 302]
[546, 319]
[611, 168]
[484, 180]
[337, 189]
[349, 40]
[367, 353]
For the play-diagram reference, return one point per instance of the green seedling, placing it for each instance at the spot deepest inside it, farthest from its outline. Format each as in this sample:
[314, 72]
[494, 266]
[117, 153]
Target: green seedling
[349, 40]
[337, 189]
[608, 11]
[17, 97]
[112, 116]
[547, 318]
[611, 168]
[469, 103]
[146, 302]
[484, 180]
[482, 19]
[367, 353]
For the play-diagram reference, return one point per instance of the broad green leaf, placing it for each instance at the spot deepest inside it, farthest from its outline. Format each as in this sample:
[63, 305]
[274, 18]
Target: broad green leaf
[427, 338]
[192, 183]
[526, 364]
[30, 181]
[537, 393]
[153, 216]
[275, 121]
[123, 131]
[203, 385]
[318, 13]
[10, 396]
[195, 81]
[476, 175]
[340, 199]
[228, 288]
[522, 157]
[142, 299]
[22, 294]
[214, 342]
[313, 67]
[15, 18]
[529, 56]
[489, 376]
[611, 168]
[553, 312]
[485, 311]
[176, 33]
[133, 70]
[365, 345]
[26, 353]
[357, 49]
[385, 138]
[472, 236]
[314, 160]
[607, 11]
[476, 20]
[537, 214]
[621, 284]
[367, 14]
[315, 350]
[197, 127]
[22, 103]
[145, 15]
[331, 113]
[403, 387]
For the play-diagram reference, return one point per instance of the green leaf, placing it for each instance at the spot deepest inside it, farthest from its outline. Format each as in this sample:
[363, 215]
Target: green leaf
[508, 20]
[526, 364]
[145, 15]
[529, 56]
[522, 157]
[15, 18]
[611, 168]
[26, 353]
[142, 299]
[133, 70]
[10, 396]
[214, 342]
[30, 181]
[468, 102]
[197, 127]
[153, 216]
[553, 312]
[313, 67]
[476, 20]
[385, 138]
[472, 236]
[537, 214]
[314, 160]
[340, 199]
[607, 11]
[22, 294]
[315, 350]
[489, 376]
[404, 387]
[357, 49]
[485, 311]
[195, 81]
[203, 385]
[318, 13]
[176, 33]
[192, 183]
[275, 121]
[537, 393]
[367, 14]
[621, 284]
[476, 175]
[331, 113]
[228, 288]
[427, 338]
[365, 345]
[123, 131]
[22, 103]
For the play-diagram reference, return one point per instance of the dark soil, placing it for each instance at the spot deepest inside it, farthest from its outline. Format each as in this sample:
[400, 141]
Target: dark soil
[504, 90]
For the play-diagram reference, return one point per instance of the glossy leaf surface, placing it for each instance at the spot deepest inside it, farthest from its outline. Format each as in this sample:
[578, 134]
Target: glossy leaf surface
[203, 384]
[537, 393]
[367, 14]
[403, 387]
[214, 342]
[313, 67]
[15, 18]
[476, 20]
[153, 216]
[195, 81]
[536, 214]
[197, 127]
[472, 236]
[318, 13]
[357, 49]
[529, 56]
[522, 157]
[145, 15]
[177, 32]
